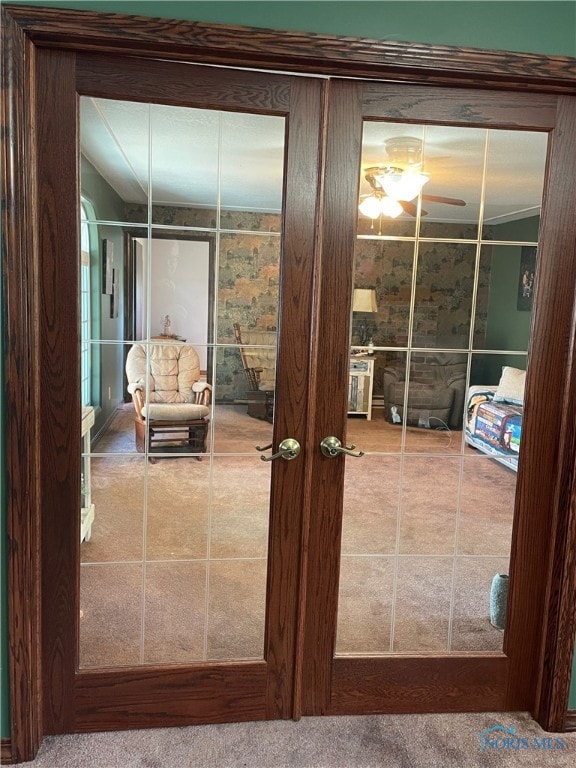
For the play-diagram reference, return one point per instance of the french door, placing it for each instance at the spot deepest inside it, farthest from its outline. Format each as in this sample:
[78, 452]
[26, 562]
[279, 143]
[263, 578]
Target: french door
[405, 540]
[302, 662]
[182, 584]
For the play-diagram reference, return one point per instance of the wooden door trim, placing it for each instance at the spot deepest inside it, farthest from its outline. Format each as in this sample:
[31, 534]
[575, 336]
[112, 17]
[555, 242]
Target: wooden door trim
[169, 699]
[553, 670]
[297, 51]
[22, 399]
[25, 31]
[357, 684]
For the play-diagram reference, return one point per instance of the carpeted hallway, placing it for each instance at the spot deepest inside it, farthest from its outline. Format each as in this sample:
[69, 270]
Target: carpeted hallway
[378, 741]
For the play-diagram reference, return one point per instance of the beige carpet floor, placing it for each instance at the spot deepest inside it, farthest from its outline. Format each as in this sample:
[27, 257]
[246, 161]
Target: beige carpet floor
[175, 570]
[384, 741]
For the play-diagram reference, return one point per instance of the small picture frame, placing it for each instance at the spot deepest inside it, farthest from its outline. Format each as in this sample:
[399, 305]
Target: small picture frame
[107, 267]
[526, 278]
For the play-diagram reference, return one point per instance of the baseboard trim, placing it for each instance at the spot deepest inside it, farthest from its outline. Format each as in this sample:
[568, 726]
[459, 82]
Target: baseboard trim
[570, 720]
[6, 751]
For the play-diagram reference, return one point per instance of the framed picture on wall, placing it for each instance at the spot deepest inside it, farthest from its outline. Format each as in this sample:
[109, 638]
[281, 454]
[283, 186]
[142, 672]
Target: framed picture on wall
[107, 266]
[526, 278]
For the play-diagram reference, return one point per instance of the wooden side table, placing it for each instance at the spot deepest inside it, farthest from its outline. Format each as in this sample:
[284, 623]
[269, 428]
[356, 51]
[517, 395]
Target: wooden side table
[86, 508]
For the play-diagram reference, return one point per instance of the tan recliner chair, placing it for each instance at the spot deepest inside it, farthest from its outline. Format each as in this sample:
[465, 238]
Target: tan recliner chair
[172, 404]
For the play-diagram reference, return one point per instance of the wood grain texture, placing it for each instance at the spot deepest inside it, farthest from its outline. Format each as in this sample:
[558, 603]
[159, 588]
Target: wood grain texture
[559, 532]
[181, 84]
[6, 753]
[297, 51]
[402, 685]
[570, 721]
[291, 414]
[145, 698]
[343, 142]
[58, 375]
[20, 361]
[459, 107]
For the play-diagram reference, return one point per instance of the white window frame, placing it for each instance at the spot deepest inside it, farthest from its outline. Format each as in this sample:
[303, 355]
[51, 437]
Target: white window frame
[85, 309]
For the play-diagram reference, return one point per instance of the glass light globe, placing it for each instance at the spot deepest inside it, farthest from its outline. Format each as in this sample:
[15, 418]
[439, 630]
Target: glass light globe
[402, 185]
[370, 207]
[390, 207]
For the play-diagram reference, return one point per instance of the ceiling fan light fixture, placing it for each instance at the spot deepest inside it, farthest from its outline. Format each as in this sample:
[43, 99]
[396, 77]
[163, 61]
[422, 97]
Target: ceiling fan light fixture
[377, 205]
[371, 207]
[391, 207]
[402, 185]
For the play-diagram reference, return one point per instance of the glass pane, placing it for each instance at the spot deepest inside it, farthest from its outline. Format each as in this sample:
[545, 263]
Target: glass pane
[114, 169]
[248, 284]
[252, 172]
[515, 165]
[428, 510]
[505, 295]
[181, 280]
[385, 268]
[110, 614]
[243, 412]
[444, 290]
[454, 160]
[184, 166]
[178, 349]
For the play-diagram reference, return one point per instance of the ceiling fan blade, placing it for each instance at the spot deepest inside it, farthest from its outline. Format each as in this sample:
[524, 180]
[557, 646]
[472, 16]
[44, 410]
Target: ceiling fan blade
[446, 200]
[411, 209]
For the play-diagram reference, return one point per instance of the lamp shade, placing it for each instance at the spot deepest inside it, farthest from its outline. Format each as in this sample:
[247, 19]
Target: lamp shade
[364, 300]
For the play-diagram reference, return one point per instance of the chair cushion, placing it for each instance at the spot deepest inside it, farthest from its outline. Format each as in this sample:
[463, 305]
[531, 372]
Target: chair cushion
[174, 412]
[173, 370]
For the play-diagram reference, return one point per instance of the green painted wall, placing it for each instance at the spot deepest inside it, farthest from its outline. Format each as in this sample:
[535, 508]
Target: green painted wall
[535, 27]
[507, 327]
[107, 360]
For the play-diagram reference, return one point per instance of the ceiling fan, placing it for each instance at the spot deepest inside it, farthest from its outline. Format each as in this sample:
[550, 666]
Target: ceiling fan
[397, 183]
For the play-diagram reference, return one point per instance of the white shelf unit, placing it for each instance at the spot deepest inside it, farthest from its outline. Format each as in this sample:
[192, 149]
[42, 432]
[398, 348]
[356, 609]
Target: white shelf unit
[360, 384]
[86, 508]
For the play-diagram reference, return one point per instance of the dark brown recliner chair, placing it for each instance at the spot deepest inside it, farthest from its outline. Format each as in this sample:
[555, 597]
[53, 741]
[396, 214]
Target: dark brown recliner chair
[436, 390]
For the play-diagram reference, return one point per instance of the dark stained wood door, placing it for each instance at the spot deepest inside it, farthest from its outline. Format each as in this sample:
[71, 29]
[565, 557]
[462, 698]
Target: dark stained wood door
[78, 697]
[389, 679]
[299, 673]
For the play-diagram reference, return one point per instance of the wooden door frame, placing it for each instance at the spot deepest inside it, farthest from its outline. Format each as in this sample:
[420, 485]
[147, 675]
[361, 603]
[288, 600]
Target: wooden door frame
[26, 32]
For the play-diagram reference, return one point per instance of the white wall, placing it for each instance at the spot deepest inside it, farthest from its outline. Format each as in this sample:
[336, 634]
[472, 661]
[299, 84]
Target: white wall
[179, 288]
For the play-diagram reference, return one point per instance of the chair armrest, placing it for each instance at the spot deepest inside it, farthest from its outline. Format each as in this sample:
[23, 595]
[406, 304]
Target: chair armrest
[393, 374]
[456, 378]
[138, 399]
[202, 392]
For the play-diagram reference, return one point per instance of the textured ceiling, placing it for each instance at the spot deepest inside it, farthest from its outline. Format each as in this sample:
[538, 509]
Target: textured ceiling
[180, 156]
